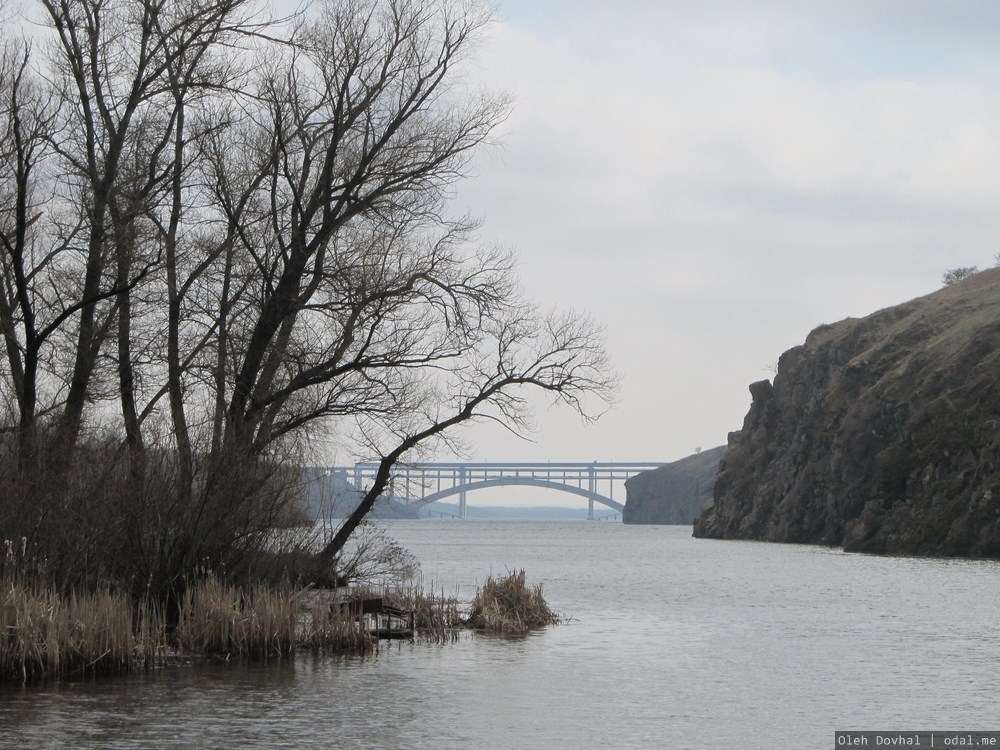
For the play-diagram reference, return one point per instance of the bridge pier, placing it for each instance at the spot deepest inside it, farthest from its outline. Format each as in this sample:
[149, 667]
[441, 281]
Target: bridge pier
[461, 495]
[592, 486]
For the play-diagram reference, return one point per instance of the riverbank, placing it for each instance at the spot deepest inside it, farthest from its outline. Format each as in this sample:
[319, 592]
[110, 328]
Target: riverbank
[103, 633]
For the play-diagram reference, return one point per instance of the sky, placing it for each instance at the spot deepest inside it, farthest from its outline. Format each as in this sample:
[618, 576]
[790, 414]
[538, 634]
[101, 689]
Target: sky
[713, 180]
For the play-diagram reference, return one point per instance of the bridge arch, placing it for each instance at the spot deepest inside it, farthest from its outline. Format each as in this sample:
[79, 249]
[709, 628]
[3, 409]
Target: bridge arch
[522, 481]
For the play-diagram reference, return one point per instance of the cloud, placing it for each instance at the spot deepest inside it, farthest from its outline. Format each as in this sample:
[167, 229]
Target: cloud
[704, 172]
[616, 141]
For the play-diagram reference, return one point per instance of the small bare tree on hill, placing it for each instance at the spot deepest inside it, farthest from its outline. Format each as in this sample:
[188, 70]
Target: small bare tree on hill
[955, 275]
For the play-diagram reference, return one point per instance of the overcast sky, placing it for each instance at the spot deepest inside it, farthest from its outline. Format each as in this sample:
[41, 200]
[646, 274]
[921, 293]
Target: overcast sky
[713, 180]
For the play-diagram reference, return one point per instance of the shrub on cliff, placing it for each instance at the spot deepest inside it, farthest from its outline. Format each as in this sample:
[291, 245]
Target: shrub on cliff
[955, 275]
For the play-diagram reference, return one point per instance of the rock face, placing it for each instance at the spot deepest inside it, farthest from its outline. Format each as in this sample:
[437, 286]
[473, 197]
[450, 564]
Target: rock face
[880, 434]
[673, 493]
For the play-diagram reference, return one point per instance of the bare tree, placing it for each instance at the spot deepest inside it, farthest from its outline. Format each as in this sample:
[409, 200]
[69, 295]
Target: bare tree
[561, 355]
[373, 308]
[29, 305]
[367, 138]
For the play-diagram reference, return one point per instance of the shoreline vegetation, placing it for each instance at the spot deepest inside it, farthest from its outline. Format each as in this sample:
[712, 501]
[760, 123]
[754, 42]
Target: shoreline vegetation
[216, 272]
[45, 635]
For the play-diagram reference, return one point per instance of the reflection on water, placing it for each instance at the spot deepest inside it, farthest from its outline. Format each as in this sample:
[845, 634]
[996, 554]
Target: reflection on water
[673, 642]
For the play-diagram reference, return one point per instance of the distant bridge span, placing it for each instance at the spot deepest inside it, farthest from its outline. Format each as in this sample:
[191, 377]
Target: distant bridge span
[423, 483]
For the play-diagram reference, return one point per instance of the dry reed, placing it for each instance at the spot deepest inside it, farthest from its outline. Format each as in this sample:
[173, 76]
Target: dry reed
[263, 622]
[436, 617]
[45, 635]
[509, 605]
[219, 618]
[333, 628]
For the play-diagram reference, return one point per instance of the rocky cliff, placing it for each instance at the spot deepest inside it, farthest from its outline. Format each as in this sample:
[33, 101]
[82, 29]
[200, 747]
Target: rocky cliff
[675, 492]
[880, 434]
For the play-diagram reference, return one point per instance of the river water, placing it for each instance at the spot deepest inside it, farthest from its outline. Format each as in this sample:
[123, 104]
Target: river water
[672, 642]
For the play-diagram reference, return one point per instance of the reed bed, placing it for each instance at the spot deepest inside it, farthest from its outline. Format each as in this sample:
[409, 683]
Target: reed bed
[331, 628]
[509, 605]
[44, 635]
[218, 618]
[264, 621]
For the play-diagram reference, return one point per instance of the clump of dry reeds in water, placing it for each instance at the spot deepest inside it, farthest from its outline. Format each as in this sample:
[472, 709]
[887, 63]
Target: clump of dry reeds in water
[218, 618]
[509, 605]
[45, 635]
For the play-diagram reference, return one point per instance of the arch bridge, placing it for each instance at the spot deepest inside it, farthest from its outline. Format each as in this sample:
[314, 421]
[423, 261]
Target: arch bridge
[423, 483]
